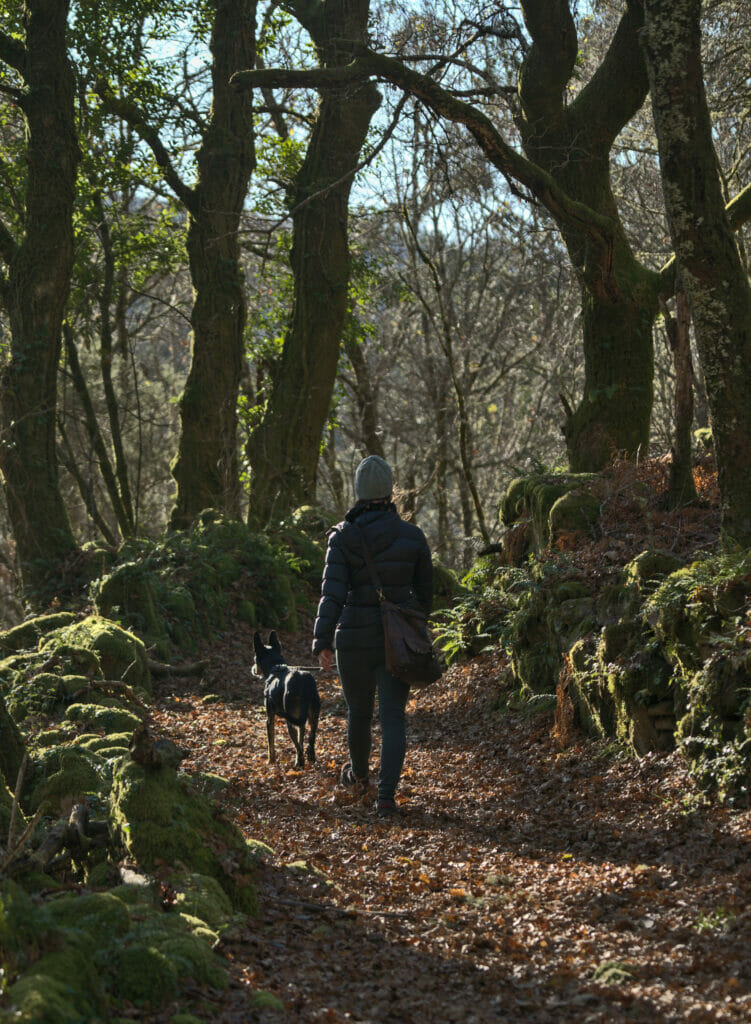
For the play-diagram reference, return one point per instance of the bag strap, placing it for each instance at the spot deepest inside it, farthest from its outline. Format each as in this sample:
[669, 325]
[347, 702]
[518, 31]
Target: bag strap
[374, 577]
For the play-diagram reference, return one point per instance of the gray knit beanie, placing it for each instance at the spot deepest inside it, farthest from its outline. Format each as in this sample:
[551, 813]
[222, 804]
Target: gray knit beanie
[373, 479]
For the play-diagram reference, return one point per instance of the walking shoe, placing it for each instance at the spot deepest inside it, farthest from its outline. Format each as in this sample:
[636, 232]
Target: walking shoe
[347, 778]
[386, 808]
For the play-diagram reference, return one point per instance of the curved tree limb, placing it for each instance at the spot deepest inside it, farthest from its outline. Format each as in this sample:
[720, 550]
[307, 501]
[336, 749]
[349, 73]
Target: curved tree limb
[133, 116]
[13, 53]
[619, 86]
[598, 228]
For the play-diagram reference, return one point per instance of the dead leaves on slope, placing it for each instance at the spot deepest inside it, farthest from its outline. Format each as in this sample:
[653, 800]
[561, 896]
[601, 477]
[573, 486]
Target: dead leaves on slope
[521, 882]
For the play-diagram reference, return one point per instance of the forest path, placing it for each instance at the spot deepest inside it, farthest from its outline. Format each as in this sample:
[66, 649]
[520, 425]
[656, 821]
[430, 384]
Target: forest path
[512, 875]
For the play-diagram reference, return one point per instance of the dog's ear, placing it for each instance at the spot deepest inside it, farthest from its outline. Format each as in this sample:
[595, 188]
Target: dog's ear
[274, 641]
[257, 645]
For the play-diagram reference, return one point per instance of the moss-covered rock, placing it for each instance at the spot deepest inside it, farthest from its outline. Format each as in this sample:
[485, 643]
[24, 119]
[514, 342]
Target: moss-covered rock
[114, 719]
[64, 776]
[80, 957]
[697, 605]
[120, 655]
[575, 512]
[202, 896]
[534, 497]
[446, 586]
[27, 635]
[174, 591]
[159, 817]
[593, 702]
[648, 570]
[38, 695]
[97, 743]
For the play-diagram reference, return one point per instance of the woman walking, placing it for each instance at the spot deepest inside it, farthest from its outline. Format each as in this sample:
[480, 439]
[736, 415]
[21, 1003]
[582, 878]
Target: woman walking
[349, 622]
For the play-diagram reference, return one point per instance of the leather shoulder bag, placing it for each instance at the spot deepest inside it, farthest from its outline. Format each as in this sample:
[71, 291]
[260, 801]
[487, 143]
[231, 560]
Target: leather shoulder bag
[410, 655]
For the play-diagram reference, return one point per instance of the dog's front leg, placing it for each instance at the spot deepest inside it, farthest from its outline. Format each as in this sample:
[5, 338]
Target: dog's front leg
[270, 724]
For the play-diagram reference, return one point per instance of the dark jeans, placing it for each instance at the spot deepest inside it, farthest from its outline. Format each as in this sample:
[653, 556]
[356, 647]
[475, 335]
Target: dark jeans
[361, 673]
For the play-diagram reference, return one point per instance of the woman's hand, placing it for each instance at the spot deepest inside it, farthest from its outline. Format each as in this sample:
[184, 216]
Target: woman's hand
[326, 660]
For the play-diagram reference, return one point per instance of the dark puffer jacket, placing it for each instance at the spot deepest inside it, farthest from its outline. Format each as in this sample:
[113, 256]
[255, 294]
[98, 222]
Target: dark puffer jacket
[348, 612]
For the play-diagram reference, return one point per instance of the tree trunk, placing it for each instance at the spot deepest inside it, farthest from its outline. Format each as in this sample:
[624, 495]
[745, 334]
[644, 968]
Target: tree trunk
[681, 489]
[283, 450]
[366, 400]
[11, 749]
[37, 287]
[712, 271]
[206, 467]
[573, 144]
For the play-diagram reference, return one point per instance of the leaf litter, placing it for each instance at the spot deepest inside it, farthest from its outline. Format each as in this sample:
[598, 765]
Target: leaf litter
[518, 883]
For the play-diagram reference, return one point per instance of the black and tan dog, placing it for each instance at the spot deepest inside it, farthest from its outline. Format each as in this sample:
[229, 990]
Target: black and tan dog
[289, 693]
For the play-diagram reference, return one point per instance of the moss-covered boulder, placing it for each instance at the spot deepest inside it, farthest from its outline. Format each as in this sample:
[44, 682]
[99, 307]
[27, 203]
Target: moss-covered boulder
[127, 594]
[160, 818]
[534, 497]
[113, 719]
[81, 957]
[649, 569]
[65, 775]
[201, 896]
[699, 604]
[574, 513]
[119, 654]
[594, 704]
[176, 590]
[446, 586]
[38, 694]
[27, 635]
[97, 743]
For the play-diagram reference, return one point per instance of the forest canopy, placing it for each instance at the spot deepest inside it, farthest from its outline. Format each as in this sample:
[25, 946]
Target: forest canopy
[243, 245]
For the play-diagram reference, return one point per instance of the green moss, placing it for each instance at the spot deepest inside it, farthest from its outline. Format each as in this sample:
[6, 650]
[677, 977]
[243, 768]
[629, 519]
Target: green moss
[74, 684]
[534, 497]
[39, 695]
[108, 719]
[203, 897]
[121, 655]
[246, 612]
[593, 703]
[127, 593]
[64, 776]
[699, 609]
[95, 742]
[144, 975]
[577, 511]
[100, 916]
[262, 1000]
[650, 568]
[28, 634]
[77, 957]
[60, 986]
[209, 784]
[160, 818]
